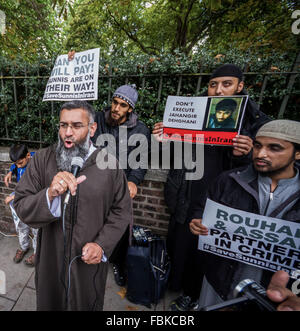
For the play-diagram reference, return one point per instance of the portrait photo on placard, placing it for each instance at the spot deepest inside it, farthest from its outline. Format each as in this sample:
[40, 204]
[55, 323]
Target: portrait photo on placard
[224, 113]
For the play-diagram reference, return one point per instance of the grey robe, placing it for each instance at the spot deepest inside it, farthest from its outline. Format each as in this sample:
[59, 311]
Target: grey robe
[100, 212]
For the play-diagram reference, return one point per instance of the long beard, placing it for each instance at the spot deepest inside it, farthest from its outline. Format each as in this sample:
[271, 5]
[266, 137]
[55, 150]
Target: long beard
[112, 122]
[64, 155]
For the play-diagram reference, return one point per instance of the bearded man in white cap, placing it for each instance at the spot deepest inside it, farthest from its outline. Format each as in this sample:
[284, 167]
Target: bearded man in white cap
[270, 186]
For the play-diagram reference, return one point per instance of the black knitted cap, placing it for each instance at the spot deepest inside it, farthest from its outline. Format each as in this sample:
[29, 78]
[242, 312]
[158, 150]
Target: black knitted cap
[230, 70]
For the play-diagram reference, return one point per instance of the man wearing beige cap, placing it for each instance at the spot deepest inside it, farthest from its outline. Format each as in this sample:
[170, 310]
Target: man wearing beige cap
[270, 186]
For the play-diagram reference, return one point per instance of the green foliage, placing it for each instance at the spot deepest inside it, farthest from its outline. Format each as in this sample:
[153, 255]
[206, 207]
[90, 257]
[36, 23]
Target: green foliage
[151, 27]
[135, 26]
[32, 29]
[26, 117]
[45, 28]
[64, 7]
[262, 26]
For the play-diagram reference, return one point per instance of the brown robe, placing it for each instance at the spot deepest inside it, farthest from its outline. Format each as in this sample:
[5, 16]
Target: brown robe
[100, 212]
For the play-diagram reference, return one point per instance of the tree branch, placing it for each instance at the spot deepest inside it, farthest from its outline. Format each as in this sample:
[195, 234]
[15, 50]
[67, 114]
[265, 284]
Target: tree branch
[130, 35]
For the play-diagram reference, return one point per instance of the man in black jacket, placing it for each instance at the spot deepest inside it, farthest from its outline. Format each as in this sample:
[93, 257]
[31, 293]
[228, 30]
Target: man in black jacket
[226, 80]
[119, 129]
[270, 186]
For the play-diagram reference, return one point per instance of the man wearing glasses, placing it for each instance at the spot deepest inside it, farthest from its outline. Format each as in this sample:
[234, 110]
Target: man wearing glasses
[70, 265]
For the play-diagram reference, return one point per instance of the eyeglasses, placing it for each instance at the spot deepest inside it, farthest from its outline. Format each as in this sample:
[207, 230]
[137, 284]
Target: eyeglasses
[73, 126]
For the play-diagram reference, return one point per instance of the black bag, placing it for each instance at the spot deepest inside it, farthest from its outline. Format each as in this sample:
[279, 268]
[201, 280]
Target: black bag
[148, 270]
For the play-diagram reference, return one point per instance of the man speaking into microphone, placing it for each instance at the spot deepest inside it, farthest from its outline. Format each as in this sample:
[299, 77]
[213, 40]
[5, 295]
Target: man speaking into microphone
[78, 233]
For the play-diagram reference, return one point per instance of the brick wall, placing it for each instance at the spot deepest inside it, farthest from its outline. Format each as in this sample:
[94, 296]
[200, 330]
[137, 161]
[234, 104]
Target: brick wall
[149, 208]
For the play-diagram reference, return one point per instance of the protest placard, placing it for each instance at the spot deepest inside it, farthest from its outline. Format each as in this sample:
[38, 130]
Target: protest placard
[206, 120]
[74, 79]
[264, 242]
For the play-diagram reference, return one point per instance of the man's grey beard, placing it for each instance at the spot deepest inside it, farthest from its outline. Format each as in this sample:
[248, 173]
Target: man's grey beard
[64, 155]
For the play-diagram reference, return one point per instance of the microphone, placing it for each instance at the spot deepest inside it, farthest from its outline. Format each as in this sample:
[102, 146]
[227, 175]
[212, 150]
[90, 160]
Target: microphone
[248, 296]
[76, 165]
[255, 293]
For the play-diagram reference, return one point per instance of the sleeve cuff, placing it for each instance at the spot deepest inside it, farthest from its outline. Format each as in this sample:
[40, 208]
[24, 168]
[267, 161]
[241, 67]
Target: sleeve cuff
[54, 207]
[134, 180]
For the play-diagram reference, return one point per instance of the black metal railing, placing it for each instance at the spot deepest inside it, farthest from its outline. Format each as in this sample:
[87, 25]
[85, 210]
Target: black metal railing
[289, 80]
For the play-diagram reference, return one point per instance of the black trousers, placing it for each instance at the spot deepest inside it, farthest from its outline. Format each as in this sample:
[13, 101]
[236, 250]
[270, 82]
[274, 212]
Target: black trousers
[119, 254]
[186, 266]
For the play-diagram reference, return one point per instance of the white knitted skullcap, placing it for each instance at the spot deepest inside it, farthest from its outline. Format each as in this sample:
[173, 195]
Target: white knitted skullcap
[281, 129]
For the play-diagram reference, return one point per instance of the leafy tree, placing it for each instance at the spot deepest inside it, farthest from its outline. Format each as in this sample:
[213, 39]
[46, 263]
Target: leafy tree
[32, 28]
[63, 7]
[252, 25]
[153, 26]
[139, 25]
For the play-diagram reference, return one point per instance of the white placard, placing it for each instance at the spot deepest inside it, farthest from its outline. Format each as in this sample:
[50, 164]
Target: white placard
[185, 112]
[75, 79]
[268, 243]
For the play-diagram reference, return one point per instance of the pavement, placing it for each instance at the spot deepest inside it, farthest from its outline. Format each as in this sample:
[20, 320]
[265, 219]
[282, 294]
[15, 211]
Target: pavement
[20, 294]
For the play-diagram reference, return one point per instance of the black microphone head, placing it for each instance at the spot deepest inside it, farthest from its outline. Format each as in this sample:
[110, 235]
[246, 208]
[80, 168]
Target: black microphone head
[77, 162]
